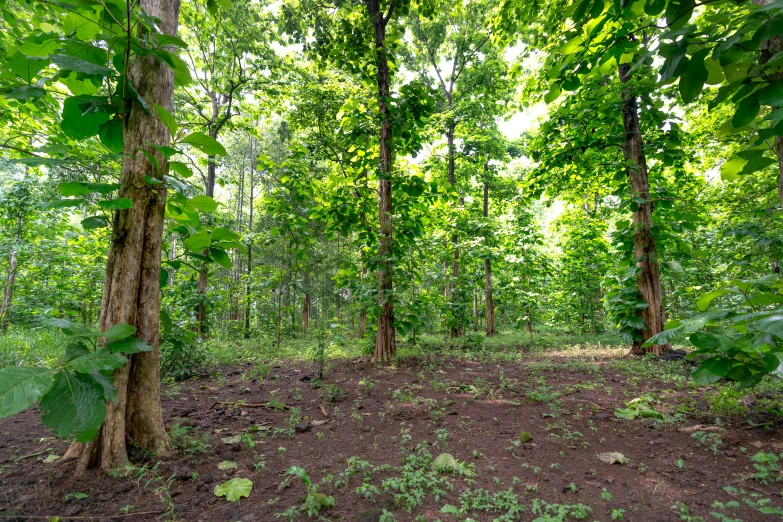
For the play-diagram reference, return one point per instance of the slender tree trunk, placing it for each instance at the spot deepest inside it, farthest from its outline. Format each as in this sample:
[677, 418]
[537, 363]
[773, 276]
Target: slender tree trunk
[201, 284]
[306, 303]
[385, 344]
[649, 278]
[8, 293]
[455, 329]
[488, 262]
[131, 291]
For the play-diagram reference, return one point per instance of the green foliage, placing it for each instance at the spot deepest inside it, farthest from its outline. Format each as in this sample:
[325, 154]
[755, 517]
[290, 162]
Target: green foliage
[234, 489]
[72, 395]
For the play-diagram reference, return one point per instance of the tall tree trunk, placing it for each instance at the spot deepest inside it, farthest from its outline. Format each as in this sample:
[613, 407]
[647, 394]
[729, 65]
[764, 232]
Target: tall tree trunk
[649, 279]
[201, 284]
[455, 329]
[131, 292]
[488, 262]
[770, 48]
[8, 293]
[385, 344]
[306, 303]
[252, 184]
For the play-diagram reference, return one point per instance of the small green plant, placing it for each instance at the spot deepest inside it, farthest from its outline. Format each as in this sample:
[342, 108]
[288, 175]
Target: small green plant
[605, 495]
[126, 508]
[618, 514]
[333, 393]
[710, 440]
[281, 450]
[313, 501]
[767, 467]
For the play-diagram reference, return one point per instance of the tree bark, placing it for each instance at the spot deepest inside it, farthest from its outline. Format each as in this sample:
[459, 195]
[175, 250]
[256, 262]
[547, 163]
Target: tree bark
[8, 293]
[131, 291]
[201, 285]
[306, 304]
[488, 262]
[455, 329]
[768, 49]
[649, 279]
[385, 344]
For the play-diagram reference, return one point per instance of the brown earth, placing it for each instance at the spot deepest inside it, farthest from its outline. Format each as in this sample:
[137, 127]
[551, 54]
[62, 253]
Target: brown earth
[568, 409]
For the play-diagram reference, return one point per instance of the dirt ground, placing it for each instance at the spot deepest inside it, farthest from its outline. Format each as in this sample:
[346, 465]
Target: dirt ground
[375, 417]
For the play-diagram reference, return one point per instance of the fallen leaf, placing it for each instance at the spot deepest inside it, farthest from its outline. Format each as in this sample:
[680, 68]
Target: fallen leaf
[228, 464]
[232, 440]
[444, 462]
[51, 458]
[612, 457]
[234, 489]
[699, 427]
[318, 422]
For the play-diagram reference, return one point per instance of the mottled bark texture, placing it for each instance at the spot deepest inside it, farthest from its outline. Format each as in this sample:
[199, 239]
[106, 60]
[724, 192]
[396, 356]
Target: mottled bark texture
[385, 345]
[649, 277]
[768, 49]
[131, 288]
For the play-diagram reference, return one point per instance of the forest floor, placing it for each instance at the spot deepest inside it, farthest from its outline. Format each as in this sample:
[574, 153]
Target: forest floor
[525, 429]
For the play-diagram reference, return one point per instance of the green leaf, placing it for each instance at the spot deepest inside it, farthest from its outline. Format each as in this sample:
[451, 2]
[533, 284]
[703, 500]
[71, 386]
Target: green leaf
[746, 112]
[711, 370]
[234, 489]
[116, 204]
[705, 300]
[26, 92]
[128, 345]
[198, 241]
[202, 203]
[180, 168]
[223, 234]
[72, 63]
[39, 47]
[119, 331]
[693, 78]
[78, 125]
[74, 406]
[26, 68]
[37, 161]
[205, 144]
[771, 325]
[771, 95]
[111, 135]
[227, 464]
[220, 256]
[95, 222]
[444, 462]
[21, 387]
[167, 119]
[99, 360]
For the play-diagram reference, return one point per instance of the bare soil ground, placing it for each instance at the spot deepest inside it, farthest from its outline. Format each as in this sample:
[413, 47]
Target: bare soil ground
[354, 432]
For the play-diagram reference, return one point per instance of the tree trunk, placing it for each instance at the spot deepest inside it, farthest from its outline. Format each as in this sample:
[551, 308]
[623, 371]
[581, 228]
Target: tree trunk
[306, 305]
[488, 262]
[8, 293]
[455, 329]
[385, 345]
[649, 279]
[770, 48]
[201, 285]
[131, 291]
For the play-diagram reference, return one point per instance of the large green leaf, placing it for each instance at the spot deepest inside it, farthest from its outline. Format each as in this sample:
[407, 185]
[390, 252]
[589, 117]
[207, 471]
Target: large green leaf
[72, 63]
[116, 204]
[234, 489]
[25, 92]
[99, 360]
[771, 325]
[74, 406]
[21, 387]
[705, 300]
[693, 78]
[711, 370]
[746, 112]
[79, 125]
[119, 331]
[198, 241]
[26, 68]
[111, 135]
[223, 234]
[220, 256]
[205, 144]
[202, 203]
